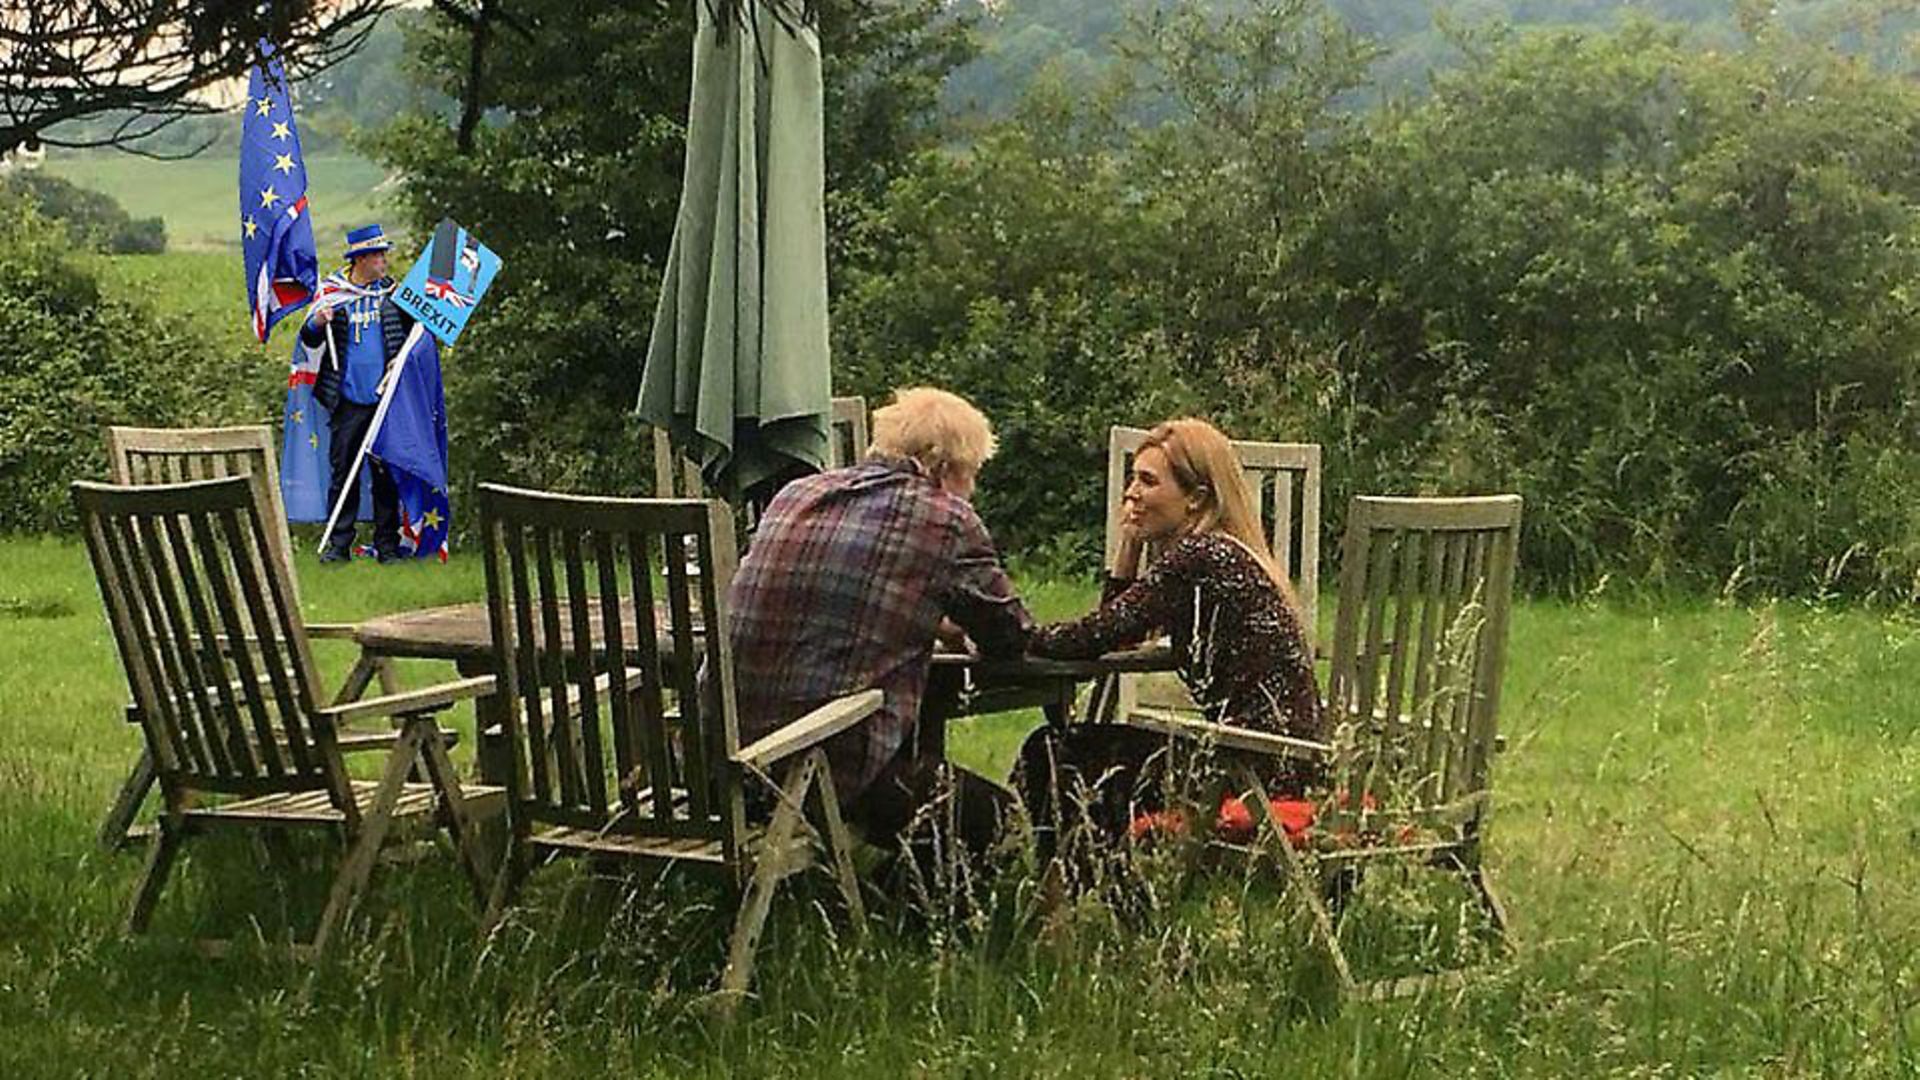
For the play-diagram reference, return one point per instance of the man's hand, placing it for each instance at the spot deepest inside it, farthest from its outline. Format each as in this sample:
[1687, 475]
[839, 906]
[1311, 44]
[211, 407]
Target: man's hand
[950, 635]
[322, 315]
[386, 380]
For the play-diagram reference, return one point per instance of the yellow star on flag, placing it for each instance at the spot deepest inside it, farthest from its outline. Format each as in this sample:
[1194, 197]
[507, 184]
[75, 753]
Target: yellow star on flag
[300, 417]
[250, 225]
[280, 131]
[430, 519]
[313, 441]
[268, 197]
[263, 106]
[283, 162]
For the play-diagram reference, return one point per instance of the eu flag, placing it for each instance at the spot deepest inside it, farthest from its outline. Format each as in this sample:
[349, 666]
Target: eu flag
[304, 469]
[412, 443]
[276, 234]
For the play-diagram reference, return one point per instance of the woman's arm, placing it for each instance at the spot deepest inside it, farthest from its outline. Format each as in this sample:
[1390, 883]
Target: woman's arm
[1140, 608]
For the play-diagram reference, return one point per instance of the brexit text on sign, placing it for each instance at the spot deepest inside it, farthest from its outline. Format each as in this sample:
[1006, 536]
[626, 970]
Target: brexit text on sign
[447, 282]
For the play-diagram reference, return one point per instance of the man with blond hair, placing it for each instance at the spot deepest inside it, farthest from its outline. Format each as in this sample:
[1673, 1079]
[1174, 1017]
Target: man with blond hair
[851, 576]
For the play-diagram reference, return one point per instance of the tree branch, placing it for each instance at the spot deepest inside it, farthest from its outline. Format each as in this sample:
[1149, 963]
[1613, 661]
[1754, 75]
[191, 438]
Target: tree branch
[68, 60]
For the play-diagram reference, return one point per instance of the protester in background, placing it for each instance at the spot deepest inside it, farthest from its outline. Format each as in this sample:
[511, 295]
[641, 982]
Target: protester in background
[1235, 625]
[849, 578]
[363, 330]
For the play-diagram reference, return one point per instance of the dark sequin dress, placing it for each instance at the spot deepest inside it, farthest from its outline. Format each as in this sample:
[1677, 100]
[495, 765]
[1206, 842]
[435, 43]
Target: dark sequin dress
[1243, 655]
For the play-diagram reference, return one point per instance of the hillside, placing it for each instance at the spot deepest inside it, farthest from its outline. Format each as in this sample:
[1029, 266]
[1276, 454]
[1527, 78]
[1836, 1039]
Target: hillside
[196, 196]
[1020, 37]
[1017, 39]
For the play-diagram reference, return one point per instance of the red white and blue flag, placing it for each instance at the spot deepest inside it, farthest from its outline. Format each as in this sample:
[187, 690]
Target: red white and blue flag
[304, 472]
[444, 291]
[412, 443]
[276, 232]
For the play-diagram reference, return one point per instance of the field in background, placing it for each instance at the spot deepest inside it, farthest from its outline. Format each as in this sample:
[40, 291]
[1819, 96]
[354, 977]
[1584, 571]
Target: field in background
[199, 197]
[1705, 831]
[200, 291]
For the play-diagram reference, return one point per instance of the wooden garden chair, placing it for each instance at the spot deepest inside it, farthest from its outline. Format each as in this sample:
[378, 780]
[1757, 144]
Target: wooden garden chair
[850, 432]
[176, 455]
[615, 747]
[1419, 647]
[239, 737]
[1284, 479]
[675, 476]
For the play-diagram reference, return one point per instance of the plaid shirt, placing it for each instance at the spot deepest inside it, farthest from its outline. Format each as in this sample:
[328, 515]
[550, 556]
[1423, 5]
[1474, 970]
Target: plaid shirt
[846, 581]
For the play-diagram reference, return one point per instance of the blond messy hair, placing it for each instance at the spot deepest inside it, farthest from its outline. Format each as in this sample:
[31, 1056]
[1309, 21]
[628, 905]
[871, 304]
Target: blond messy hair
[938, 429]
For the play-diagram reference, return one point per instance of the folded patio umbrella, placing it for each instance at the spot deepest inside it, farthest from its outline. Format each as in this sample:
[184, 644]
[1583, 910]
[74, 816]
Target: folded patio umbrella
[737, 365]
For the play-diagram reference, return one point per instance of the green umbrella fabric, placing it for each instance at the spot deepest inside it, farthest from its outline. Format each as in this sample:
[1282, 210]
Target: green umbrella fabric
[737, 366]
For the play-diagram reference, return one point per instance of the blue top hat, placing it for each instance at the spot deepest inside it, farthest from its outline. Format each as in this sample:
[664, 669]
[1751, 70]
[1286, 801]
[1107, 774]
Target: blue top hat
[366, 240]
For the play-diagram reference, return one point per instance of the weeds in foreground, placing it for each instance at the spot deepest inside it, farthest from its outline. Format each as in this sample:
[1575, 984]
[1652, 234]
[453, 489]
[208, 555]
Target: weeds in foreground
[1704, 826]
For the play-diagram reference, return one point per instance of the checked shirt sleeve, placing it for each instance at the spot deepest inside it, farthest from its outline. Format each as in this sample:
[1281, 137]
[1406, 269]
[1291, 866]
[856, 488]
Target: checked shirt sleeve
[981, 597]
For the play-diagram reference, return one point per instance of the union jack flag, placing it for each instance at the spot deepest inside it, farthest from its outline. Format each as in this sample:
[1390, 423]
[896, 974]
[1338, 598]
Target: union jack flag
[441, 289]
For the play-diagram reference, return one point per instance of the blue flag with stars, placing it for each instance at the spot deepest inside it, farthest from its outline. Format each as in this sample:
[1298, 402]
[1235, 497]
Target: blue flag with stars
[304, 472]
[276, 233]
[412, 443]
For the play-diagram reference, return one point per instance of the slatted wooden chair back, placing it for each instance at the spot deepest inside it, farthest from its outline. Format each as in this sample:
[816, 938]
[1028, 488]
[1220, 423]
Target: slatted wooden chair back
[676, 476]
[851, 435]
[604, 635]
[186, 570]
[137, 455]
[1284, 479]
[1419, 647]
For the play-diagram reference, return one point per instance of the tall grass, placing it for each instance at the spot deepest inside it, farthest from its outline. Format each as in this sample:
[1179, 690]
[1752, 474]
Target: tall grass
[1705, 834]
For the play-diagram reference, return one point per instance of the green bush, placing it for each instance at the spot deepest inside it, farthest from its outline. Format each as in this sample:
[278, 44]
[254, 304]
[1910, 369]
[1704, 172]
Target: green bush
[81, 349]
[72, 361]
[1664, 294]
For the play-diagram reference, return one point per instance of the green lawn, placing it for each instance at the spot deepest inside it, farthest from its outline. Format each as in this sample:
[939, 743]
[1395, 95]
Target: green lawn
[1706, 834]
[199, 196]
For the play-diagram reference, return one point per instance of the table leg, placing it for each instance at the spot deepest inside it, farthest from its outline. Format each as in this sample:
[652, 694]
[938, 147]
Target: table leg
[489, 727]
[1059, 710]
[364, 669]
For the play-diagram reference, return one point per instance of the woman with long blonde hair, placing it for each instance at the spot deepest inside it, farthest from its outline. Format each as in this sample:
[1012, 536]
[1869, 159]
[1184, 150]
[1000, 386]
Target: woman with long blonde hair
[1215, 589]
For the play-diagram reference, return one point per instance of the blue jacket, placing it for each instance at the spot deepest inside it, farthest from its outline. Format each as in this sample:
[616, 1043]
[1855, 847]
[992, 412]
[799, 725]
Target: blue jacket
[394, 325]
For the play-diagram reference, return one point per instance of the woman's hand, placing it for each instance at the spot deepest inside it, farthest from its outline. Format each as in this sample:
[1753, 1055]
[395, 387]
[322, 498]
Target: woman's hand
[1126, 561]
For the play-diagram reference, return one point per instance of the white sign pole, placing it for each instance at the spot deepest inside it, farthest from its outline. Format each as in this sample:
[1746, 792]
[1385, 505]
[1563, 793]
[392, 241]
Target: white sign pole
[350, 488]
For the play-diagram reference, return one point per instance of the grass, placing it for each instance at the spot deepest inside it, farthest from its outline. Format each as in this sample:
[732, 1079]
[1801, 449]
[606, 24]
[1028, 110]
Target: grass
[198, 197]
[1706, 834]
[200, 290]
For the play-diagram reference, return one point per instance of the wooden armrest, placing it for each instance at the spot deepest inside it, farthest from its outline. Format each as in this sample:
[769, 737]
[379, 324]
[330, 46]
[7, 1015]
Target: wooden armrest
[406, 703]
[332, 631]
[810, 730]
[1233, 738]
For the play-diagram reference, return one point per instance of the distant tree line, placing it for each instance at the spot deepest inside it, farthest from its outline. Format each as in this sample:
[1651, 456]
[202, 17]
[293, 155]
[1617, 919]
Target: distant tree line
[1663, 289]
[93, 220]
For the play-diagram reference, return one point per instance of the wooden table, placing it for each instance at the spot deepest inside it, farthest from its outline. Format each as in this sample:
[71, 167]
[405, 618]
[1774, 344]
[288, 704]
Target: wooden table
[958, 685]
[966, 685]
